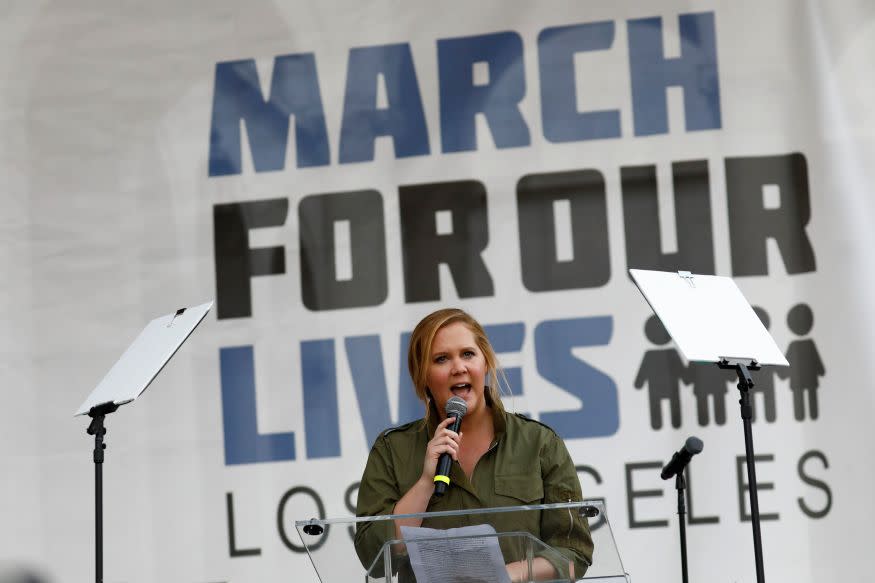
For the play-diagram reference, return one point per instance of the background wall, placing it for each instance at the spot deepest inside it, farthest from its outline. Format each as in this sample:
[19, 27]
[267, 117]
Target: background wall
[512, 158]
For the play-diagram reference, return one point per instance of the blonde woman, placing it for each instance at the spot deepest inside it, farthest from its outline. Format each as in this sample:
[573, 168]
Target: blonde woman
[499, 459]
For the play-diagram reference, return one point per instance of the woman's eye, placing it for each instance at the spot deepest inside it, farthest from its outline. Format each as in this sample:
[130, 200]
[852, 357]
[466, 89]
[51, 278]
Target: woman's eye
[440, 359]
[469, 353]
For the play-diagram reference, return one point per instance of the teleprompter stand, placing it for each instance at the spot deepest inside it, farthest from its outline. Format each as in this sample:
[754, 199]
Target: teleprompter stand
[742, 367]
[126, 381]
[710, 320]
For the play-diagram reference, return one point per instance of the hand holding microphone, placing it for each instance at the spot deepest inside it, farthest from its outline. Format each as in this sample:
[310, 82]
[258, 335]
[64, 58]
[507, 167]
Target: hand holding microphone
[444, 442]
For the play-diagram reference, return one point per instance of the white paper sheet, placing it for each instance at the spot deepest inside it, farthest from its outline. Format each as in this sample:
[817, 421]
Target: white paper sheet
[455, 560]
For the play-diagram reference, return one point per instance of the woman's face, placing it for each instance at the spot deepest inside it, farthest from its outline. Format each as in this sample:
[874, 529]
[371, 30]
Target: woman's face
[457, 367]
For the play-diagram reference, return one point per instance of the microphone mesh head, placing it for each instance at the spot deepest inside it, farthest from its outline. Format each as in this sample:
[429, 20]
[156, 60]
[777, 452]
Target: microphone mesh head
[456, 406]
[694, 445]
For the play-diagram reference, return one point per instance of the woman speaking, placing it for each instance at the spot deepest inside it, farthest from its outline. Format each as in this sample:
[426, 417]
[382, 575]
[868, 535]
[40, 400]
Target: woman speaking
[499, 459]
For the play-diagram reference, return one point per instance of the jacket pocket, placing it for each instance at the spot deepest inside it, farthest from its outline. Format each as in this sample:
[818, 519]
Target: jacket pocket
[525, 488]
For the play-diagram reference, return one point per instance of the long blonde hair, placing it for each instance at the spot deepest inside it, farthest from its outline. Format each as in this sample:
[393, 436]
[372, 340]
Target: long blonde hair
[419, 356]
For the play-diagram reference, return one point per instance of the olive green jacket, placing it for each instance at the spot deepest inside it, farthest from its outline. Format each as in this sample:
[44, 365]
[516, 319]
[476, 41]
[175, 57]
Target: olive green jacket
[526, 464]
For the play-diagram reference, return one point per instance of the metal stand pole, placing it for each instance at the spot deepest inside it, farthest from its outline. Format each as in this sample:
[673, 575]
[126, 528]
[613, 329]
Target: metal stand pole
[745, 384]
[681, 485]
[97, 429]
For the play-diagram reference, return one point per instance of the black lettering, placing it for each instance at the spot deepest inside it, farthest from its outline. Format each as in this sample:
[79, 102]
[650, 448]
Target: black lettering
[751, 223]
[459, 247]
[631, 494]
[280, 519]
[691, 518]
[350, 505]
[235, 261]
[815, 483]
[692, 206]
[600, 520]
[318, 217]
[233, 551]
[589, 264]
[591, 471]
[741, 475]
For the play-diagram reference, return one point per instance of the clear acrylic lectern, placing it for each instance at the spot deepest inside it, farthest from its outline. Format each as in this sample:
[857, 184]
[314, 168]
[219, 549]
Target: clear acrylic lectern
[484, 545]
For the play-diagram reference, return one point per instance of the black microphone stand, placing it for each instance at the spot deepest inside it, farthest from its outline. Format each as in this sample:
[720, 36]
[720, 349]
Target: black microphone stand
[681, 484]
[97, 429]
[745, 384]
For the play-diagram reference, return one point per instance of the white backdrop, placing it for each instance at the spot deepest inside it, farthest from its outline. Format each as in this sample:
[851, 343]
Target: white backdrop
[107, 111]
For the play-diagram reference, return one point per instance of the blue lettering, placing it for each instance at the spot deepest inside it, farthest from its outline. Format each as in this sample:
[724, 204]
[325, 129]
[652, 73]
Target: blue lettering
[556, 49]
[369, 380]
[409, 405]
[554, 341]
[237, 96]
[508, 338]
[363, 121]
[243, 443]
[319, 379]
[695, 70]
[599, 415]
[498, 99]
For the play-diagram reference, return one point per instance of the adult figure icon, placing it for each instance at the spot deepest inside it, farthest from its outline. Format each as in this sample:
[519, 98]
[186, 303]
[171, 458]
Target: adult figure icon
[662, 370]
[806, 366]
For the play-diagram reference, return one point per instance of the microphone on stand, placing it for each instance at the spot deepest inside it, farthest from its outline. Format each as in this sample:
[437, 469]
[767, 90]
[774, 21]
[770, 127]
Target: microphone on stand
[675, 467]
[456, 408]
[682, 457]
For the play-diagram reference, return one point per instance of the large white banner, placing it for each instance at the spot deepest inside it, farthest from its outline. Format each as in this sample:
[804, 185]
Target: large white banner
[331, 172]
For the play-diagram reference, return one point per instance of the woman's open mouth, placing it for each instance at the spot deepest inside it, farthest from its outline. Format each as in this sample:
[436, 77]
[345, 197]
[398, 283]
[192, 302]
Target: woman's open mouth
[461, 389]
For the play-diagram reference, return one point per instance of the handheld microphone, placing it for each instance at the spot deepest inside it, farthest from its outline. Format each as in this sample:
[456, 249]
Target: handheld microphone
[455, 408]
[682, 457]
